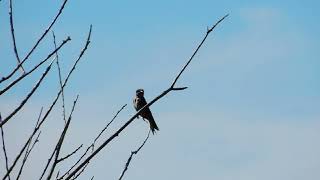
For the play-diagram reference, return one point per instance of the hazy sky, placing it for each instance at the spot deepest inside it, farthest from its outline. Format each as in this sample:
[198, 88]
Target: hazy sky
[252, 109]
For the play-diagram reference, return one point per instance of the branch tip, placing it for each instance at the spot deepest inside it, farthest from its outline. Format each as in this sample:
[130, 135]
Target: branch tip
[179, 88]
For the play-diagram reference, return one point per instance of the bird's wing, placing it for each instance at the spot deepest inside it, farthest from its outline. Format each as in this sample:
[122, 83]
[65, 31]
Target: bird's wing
[146, 112]
[135, 103]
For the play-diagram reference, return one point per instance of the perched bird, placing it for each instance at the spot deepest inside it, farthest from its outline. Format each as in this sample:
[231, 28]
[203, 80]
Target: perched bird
[139, 101]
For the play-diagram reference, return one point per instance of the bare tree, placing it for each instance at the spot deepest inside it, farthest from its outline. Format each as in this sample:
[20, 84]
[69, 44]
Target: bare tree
[8, 83]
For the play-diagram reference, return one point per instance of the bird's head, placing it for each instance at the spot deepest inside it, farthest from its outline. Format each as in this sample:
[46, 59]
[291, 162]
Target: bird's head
[140, 92]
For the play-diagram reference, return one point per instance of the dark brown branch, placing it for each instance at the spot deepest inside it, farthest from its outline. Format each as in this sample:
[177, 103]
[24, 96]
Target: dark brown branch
[60, 79]
[131, 155]
[4, 148]
[60, 142]
[93, 144]
[34, 68]
[195, 52]
[66, 80]
[27, 153]
[13, 37]
[69, 155]
[24, 101]
[106, 142]
[24, 147]
[179, 89]
[81, 171]
[37, 43]
[48, 163]
[53, 103]
[75, 164]
[114, 117]
[57, 174]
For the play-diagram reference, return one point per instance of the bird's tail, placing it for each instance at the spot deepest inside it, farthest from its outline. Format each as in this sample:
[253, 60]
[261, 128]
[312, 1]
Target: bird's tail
[153, 126]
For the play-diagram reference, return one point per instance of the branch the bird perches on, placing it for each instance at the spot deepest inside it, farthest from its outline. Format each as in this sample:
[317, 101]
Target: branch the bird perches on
[164, 93]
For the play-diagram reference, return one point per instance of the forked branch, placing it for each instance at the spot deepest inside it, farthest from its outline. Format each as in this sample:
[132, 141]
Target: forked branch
[52, 104]
[131, 155]
[171, 88]
[37, 43]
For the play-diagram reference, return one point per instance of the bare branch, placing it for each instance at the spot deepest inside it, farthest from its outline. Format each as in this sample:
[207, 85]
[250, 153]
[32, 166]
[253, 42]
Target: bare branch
[75, 164]
[37, 43]
[81, 171]
[69, 155]
[4, 148]
[179, 89]
[34, 68]
[14, 38]
[106, 142]
[60, 79]
[60, 92]
[24, 101]
[199, 46]
[57, 174]
[48, 162]
[24, 147]
[27, 153]
[93, 144]
[60, 142]
[53, 103]
[131, 155]
[114, 117]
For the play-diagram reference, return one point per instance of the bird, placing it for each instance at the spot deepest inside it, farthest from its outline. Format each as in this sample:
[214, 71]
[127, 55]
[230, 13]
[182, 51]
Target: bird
[138, 102]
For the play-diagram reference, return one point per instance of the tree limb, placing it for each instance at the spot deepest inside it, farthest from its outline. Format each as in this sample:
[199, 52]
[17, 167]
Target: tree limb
[92, 145]
[24, 101]
[131, 155]
[171, 88]
[4, 148]
[37, 43]
[27, 153]
[70, 154]
[34, 68]
[14, 38]
[53, 103]
[60, 79]
[60, 142]
[114, 117]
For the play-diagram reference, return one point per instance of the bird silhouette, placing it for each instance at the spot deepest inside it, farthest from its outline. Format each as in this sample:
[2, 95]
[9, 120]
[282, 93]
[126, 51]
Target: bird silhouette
[139, 101]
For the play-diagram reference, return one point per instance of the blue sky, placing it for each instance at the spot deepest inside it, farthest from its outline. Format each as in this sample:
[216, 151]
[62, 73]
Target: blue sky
[251, 110]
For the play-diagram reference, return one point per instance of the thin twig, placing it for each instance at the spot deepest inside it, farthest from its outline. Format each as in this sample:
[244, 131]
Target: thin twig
[60, 142]
[114, 117]
[48, 162]
[64, 84]
[171, 88]
[58, 173]
[60, 79]
[37, 43]
[27, 153]
[70, 154]
[131, 155]
[14, 38]
[4, 148]
[53, 103]
[34, 68]
[93, 143]
[199, 46]
[25, 100]
[75, 164]
[81, 171]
